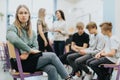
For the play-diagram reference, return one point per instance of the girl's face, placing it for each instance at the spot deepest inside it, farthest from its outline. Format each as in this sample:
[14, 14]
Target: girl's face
[23, 15]
[58, 15]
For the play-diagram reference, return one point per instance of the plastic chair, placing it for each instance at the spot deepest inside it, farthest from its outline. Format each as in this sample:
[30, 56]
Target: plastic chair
[115, 66]
[12, 52]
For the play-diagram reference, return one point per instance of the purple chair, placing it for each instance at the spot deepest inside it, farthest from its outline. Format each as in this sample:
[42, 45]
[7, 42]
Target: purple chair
[116, 67]
[12, 52]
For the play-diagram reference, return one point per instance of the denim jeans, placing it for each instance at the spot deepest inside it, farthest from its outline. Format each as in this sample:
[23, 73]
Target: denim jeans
[59, 47]
[51, 64]
[78, 62]
[101, 72]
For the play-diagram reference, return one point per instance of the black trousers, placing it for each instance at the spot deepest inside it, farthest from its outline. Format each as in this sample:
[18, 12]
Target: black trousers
[78, 62]
[42, 47]
[63, 57]
[101, 71]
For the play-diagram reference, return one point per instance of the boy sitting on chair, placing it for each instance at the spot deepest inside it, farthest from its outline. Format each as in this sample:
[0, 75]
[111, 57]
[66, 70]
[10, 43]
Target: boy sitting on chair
[109, 55]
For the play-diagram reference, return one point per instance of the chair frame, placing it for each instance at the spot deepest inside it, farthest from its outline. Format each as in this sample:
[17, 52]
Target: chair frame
[20, 74]
[115, 66]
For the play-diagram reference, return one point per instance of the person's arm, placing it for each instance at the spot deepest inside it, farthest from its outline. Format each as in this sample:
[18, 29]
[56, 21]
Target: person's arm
[67, 48]
[115, 45]
[98, 46]
[13, 37]
[73, 47]
[62, 30]
[110, 54]
[34, 42]
[85, 45]
[40, 30]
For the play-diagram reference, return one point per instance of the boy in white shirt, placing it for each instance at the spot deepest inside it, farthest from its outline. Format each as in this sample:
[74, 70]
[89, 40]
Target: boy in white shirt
[109, 55]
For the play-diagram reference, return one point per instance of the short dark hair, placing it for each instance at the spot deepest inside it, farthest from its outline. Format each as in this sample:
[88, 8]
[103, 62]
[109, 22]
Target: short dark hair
[106, 26]
[91, 25]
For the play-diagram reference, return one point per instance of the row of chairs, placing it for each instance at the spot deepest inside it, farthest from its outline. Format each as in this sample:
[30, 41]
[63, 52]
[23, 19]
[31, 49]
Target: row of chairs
[11, 52]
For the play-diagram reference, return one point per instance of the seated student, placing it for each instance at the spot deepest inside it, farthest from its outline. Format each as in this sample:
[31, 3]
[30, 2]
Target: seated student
[108, 55]
[68, 44]
[78, 60]
[22, 37]
[80, 40]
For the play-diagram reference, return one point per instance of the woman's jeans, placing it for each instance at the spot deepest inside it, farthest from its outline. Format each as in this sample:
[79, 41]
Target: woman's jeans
[59, 47]
[51, 64]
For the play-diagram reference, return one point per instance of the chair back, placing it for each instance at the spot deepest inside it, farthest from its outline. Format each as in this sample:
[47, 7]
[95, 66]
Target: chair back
[12, 52]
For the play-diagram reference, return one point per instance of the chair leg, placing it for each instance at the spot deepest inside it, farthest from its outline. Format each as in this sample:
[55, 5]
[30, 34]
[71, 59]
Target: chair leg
[22, 78]
[15, 78]
[118, 74]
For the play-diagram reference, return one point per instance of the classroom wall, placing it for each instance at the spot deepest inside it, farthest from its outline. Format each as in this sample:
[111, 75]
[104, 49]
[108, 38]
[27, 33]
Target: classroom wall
[117, 18]
[3, 20]
[82, 10]
[94, 7]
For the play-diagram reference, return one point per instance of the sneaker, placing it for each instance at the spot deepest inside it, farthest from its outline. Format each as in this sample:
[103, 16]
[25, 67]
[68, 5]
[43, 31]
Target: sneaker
[70, 78]
[72, 73]
[77, 78]
[45, 74]
[88, 76]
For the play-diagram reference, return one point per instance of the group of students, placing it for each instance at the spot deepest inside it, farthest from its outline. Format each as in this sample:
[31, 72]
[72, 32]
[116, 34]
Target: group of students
[92, 51]
[85, 50]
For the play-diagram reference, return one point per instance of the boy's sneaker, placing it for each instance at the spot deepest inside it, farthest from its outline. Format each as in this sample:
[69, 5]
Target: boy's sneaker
[88, 76]
[77, 78]
[45, 74]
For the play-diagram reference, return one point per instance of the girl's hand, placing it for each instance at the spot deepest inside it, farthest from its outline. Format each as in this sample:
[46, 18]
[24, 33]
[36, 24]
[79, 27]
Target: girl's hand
[24, 56]
[45, 43]
[34, 51]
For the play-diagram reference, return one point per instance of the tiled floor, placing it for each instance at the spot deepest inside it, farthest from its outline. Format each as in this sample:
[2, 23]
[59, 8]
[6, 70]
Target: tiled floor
[7, 76]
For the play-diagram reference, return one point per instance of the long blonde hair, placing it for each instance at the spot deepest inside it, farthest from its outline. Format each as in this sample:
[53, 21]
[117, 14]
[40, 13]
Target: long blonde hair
[41, 16]
[17, 22]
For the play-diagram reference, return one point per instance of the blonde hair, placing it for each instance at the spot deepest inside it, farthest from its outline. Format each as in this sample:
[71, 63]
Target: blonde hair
[91, 25]
[41, 15]
[106, 26]
[17, 22]
[80, 25]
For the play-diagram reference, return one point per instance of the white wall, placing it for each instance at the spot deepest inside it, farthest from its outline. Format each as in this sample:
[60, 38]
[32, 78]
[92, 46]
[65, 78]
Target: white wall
[117, 18]
[3, 20]
[80, 10]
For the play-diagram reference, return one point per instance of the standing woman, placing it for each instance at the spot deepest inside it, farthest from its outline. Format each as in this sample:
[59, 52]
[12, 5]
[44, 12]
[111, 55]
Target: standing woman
[22, 37]
[42, 30]
[59, 28]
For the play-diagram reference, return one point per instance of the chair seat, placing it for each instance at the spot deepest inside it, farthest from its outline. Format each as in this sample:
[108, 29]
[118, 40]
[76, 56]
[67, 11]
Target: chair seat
[26, 74]
[115, 66]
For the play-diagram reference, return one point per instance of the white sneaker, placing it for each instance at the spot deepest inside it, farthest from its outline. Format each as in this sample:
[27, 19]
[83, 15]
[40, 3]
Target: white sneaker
[45, 74]
[77, 78]
[88, 77]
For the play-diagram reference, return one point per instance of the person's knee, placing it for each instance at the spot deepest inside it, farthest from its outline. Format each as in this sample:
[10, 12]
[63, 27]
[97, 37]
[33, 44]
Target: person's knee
[87, 62]
[69, 57]
[51, 69]
[53, 55]
[77, 62]
[90, 64]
